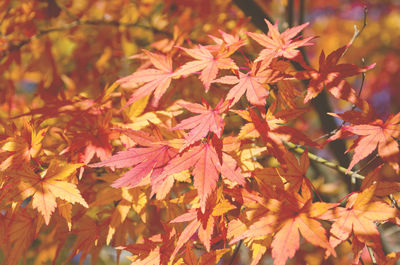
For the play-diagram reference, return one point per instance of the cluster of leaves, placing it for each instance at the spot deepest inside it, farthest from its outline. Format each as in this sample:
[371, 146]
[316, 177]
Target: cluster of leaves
[177, 173]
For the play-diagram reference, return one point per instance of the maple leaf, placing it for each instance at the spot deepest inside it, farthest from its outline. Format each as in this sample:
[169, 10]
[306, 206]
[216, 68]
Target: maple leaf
[358, 217]
[280, 44]
[148, 160]
[274, 125]
[90, 237]
[299, 215]
[155, 79]
[127, 199]
[91, 137]
[204, 159]
[20, 231]
[155, 250]
[295, 172]
[288, 215]
[254, 83]
[211, 257]
[384, 186]
[202, 222]
[286, 94]
[376, 134]
[48, 186]
[273, 143]
[331, 76]
[207, 63]
[230, 169]
[272, 132]
[228, 42]
[23, 146]
[209, 120]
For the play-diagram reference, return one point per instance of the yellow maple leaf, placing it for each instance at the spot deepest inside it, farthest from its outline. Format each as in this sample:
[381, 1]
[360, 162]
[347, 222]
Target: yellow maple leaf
[51, 184]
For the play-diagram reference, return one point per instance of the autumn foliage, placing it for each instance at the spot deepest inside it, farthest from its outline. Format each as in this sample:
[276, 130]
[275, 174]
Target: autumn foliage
[127, 128]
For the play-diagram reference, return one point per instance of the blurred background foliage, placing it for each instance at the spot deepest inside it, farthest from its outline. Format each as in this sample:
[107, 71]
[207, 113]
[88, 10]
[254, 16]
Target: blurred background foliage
[54, 51]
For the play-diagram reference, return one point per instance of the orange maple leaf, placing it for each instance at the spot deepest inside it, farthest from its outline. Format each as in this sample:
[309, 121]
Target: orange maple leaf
[209, 120]
[151, 252]
[20, 231]
[299, 215]
[358, 218]
[21, 147]
[254, 83]
[207, 63]
[206, 165]
[201, 222]
[272, 132]
[375, 134]
[155, 79]
[275, 121]
[90, 136]
[295, 172]
[280, 44]
[229, 43]
[150, 159]
[288, 216]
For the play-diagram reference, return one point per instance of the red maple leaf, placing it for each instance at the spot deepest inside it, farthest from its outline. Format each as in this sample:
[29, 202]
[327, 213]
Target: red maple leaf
[209, 120]
[280, 44]
[331, 76]
[273, 143]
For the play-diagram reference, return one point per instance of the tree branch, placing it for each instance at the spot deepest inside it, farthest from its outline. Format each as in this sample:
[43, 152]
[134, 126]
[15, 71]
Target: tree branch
[320, 160]
[257, 15]
[236, 251]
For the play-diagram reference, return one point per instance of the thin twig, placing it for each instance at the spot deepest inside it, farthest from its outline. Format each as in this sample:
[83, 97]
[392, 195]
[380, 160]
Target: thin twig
[237, 248]
[371, 253]
[66, 10]
[302, 11]
[394, 202]
[367, 164]
[357, 32]
[290, 13]
[297, 149]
